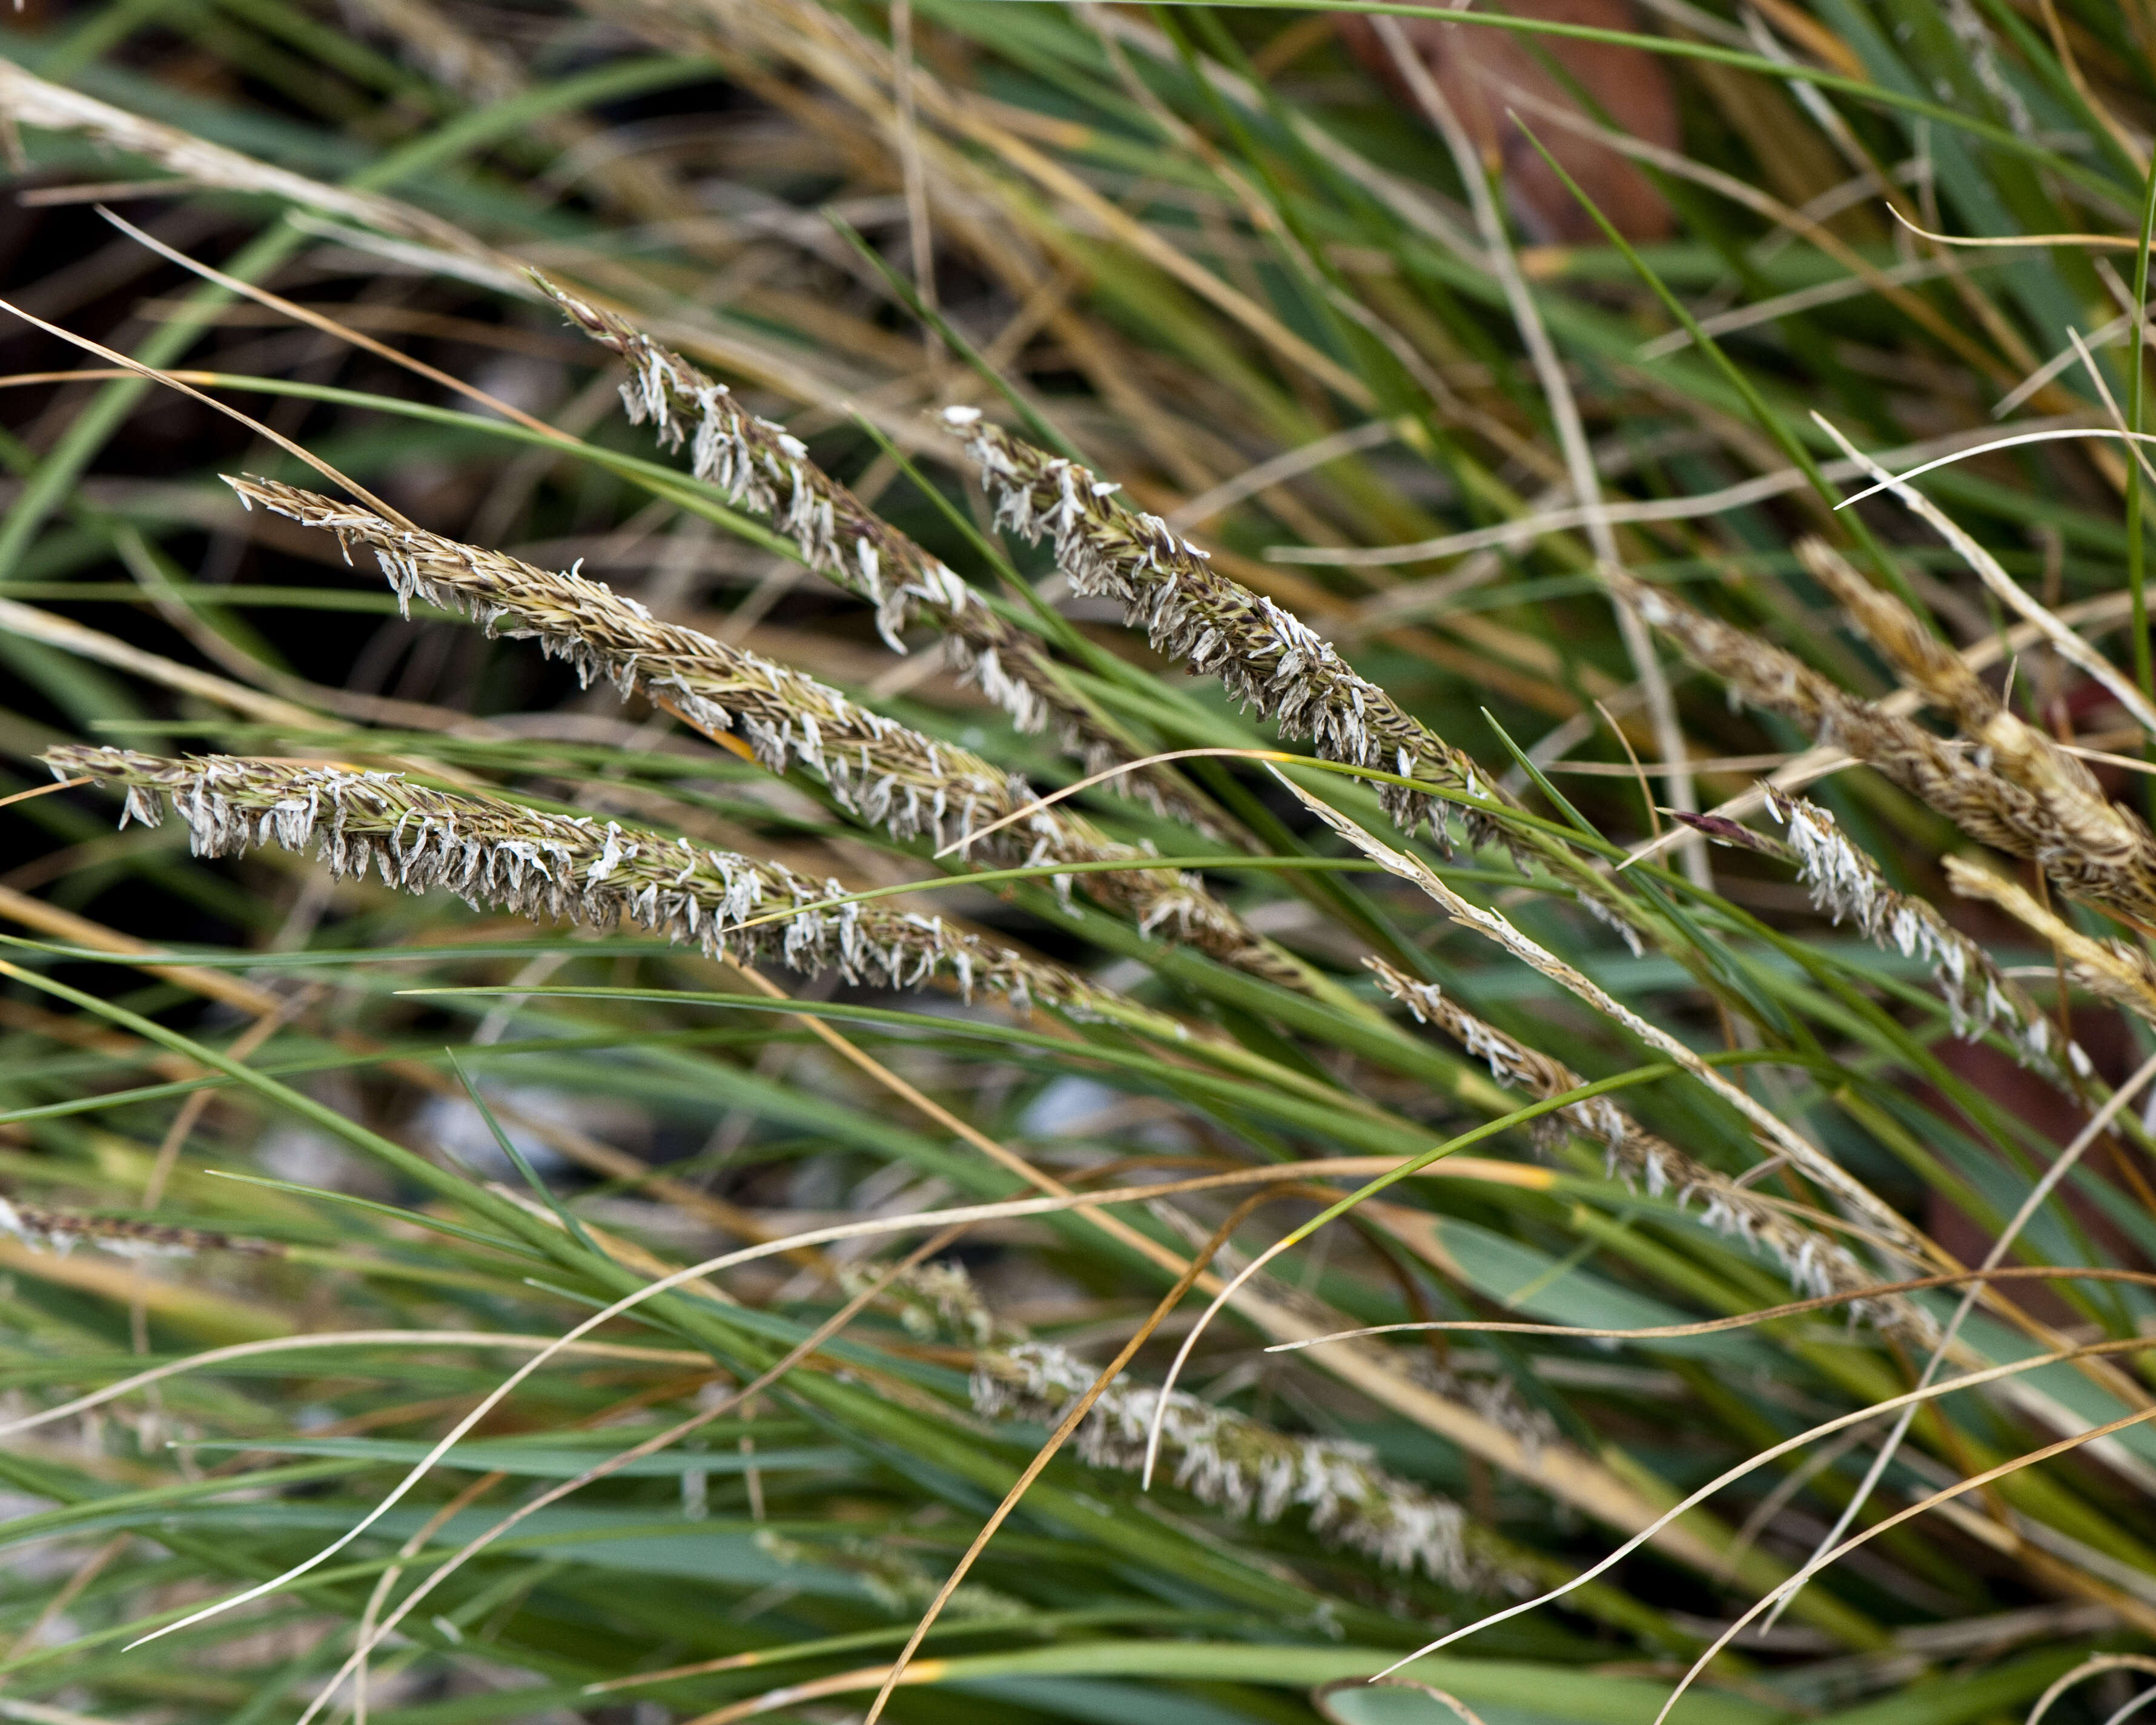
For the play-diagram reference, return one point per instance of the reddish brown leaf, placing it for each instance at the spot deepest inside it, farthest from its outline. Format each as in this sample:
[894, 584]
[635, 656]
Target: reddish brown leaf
[1475, 65]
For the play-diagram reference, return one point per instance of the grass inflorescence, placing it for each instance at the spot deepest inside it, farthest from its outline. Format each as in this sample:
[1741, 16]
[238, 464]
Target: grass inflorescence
[1190, 853]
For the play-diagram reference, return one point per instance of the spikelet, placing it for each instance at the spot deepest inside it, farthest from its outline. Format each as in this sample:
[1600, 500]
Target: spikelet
[1242, 1466]
[1850, 887]
[1235, 1463]
[763, 467]
[489, 851]
[60, 1231]
[1225, 1459]
[889, 1576]
[1816, 1263]
[2009, 786]
[932, 1299]
[2087, 822]
[1269, 659]
[885, 772]
[1496, 1400]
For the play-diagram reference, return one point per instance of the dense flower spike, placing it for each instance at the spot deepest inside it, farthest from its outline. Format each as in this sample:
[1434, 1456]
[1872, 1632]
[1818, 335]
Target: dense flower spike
[2008, 785]
[763, 467]
[489, 851]
[1269, 659]
[879, 769]
[1240, 1465]
[1850, 887]
[1781, 1135]
[60, 1231]
[1816, 1263]
[1228, 1460]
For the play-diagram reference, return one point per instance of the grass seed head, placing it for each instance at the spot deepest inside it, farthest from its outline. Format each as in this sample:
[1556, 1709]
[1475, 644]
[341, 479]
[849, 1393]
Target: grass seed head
[556, 867]
[885, 772]
[1269, 659]
[1816, 1263]
[2005, 785]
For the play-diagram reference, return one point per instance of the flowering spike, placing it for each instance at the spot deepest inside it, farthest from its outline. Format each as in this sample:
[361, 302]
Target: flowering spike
[761, 467]
[489, 851]
[905, 782]
[1850, 887]
[1816, 1264]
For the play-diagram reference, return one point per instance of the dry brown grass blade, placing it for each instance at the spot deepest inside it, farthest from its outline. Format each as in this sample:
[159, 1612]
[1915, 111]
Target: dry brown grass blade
[1564, 415]
[1911, 305]
[329, 325]
[850, 62]
[2139, 1610]
[265, 706]
[1542, 521]
[2009, 592]
[2107, 610]
[2102, 242]
[2112, 970]
[1793, 1308]
[28, 100]
[433, 38]
[42, 790]
[151, 374]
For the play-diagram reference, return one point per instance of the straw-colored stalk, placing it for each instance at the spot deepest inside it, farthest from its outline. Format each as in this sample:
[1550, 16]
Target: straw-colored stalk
[489, 851]
[2111, 969]
[2009, 786]
[885, 772]
[1816, 1263]
[26, 99]
[431, 38]
[2002, 586]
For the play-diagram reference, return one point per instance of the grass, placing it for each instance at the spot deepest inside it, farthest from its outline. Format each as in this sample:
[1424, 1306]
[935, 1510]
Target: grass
[630, 1153]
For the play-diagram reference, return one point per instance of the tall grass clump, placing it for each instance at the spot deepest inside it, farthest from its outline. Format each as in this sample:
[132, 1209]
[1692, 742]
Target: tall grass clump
[980, 861]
